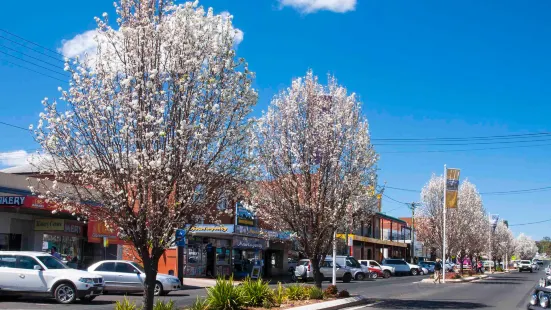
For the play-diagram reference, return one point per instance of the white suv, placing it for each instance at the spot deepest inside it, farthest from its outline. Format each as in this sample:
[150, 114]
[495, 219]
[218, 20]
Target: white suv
[37, 273]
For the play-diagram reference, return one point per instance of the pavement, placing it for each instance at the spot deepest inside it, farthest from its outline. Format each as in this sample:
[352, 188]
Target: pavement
[500, 291]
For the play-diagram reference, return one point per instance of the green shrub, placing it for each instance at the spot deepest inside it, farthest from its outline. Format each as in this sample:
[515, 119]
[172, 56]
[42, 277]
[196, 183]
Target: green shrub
[298, 292]
[225, 296]
[344, 294]
[199, 304]
[331, 291]
[267, 304]
[255, 292]
[160, 305]
[457, 276]
[279, 294]
[315, 293]
[125, 304]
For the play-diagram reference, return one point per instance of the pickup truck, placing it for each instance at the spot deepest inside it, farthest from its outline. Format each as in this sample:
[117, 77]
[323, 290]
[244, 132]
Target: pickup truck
[524, 265]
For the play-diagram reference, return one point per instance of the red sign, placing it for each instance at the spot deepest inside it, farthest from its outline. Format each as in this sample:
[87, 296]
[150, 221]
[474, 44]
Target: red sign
[33, 202]
[97, 231]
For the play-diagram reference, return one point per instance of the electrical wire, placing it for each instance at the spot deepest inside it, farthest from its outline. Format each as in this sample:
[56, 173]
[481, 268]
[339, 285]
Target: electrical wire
[32, 49]
[510, 192]
[30, 56]
[464, 138]
[44, 74]
[29, 41]
[532, 223]
[32, 63]
[15, 126]
[466, 150]
[465, 143]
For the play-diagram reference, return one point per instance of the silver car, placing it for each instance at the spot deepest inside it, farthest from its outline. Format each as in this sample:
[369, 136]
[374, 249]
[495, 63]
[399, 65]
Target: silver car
[127, 276]
[305, 271]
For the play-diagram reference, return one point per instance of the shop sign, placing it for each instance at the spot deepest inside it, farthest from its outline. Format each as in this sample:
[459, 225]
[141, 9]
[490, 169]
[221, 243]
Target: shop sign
[210, 228]
[49, 224]
[249, 243]
[12, 200]
[73, 229]
[257, 232]
[97, 231]
[244, 216]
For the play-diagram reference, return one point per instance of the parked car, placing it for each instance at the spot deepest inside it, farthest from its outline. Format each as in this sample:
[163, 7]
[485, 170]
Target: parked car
[402, 267]
[387, 270]
[548, 270]
[359, 272]
[38, 273]
[376, 273]
[525, 265]
[305, 272]
[291, 264]
[429, 265]
[128, 276]
[515, 263]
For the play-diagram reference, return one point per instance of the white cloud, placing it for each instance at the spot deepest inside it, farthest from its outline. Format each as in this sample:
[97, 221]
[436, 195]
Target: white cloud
[14, 158]
[81, 45]
[311, 6]
[238, 37]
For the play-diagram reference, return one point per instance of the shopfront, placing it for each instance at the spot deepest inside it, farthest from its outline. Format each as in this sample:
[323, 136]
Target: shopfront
[65, 235]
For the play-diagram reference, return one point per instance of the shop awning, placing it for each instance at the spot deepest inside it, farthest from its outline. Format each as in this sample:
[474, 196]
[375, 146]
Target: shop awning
[373, 240]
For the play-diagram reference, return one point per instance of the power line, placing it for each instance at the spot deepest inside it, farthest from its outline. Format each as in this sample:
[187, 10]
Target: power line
[523, 224]
[464, 138]
[15, 126]
[35, 58]
[466, 150]
[403, 189]
[510, 192]
[32, 63]
[44, 74]
[464, 143]
[28, 41]
[32, 49]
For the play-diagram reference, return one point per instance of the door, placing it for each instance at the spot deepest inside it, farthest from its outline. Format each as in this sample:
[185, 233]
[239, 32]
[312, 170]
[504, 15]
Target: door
[404, 267]
[129, 278]
[110, 279]
[374, 264]
[8, 273]
[29, 279]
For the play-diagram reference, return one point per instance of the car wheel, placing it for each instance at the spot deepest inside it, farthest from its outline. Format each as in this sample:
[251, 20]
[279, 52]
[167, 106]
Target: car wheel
[360, 276]
[374, 275]
[294, 278]
[87, 299]
[414, 272]
[65, 293]
[530, 271]
[386, 274]
[158, 291]
[347, 278]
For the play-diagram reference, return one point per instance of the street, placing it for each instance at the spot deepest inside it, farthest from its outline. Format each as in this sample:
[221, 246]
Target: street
[503, 291]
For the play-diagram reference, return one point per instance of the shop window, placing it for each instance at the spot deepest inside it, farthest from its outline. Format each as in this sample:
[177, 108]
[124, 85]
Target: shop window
[25, 262]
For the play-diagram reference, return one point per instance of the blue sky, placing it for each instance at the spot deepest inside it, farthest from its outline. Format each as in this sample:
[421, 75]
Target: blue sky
[423, 69]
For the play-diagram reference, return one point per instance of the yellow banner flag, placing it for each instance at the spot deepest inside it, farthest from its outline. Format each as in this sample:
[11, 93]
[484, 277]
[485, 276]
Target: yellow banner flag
[452, 187]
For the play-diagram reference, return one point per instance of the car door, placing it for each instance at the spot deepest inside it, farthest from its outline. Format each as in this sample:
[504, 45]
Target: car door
[374, 264]
[110, 278]
[30, 279]
[404, 267]
[8, 273]
[129, 278]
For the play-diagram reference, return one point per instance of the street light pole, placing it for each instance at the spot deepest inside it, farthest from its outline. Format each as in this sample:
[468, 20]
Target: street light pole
[412, 207]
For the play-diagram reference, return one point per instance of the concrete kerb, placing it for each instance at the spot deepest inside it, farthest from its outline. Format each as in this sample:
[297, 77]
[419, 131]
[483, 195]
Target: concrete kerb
[462, 280]
[335, 304]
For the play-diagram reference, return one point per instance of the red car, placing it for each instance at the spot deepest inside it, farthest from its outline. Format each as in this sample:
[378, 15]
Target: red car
[376, 273]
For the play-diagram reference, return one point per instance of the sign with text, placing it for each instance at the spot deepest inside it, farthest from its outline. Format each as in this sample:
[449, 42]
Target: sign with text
[210, 228]
[12, 200]
[97, 231]
[249, 243]
[49, 224]
[452, 187]
[244, 216]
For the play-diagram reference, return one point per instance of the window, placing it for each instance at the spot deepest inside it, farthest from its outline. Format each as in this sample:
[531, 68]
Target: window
[326, 264]
[51, 263]
[125, 268]
[138, 266]
[7, 261]
[373, 264]
[25, 262]
[106, 267]
[364, 263]
[352, 262]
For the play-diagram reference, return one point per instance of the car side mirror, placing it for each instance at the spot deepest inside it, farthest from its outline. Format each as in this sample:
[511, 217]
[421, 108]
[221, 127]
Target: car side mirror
[37, 267]
[137, 272]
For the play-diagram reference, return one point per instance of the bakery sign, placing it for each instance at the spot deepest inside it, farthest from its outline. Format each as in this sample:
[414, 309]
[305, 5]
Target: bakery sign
[12, 200]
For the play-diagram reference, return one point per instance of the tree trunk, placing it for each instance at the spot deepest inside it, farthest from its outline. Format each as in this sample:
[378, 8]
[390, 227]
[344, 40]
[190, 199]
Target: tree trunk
[318, 277]
[150, 267]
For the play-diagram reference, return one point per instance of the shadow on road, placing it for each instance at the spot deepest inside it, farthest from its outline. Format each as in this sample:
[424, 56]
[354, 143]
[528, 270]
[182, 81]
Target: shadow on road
[423, 304]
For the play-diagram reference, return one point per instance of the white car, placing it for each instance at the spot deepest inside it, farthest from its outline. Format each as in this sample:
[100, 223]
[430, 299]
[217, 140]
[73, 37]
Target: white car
[38, 273]
[548, 270]
[387, 270]
[128, 276]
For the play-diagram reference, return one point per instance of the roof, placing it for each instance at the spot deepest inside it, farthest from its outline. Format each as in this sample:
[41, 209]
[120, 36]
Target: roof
[388, 217]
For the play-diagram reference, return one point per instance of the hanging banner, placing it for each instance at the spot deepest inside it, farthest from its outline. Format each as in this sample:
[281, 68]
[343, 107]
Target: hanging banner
[452, 187]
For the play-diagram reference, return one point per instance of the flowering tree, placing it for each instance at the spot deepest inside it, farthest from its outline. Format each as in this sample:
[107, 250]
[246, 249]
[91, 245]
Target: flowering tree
[464, 224]
[154, 128]
[315, 163]
[503, 241]
[525, 247]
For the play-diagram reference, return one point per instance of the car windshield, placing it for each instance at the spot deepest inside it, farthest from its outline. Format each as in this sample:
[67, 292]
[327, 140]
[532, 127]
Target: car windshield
[138, 266]
[352, 262]
[51, 262]
[525, 262]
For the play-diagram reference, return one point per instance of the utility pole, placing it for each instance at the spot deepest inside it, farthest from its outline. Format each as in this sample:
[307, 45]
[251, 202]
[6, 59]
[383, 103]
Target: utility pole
[412, 206]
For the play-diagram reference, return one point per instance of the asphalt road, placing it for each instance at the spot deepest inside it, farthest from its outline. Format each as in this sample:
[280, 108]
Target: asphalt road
[502, 292]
